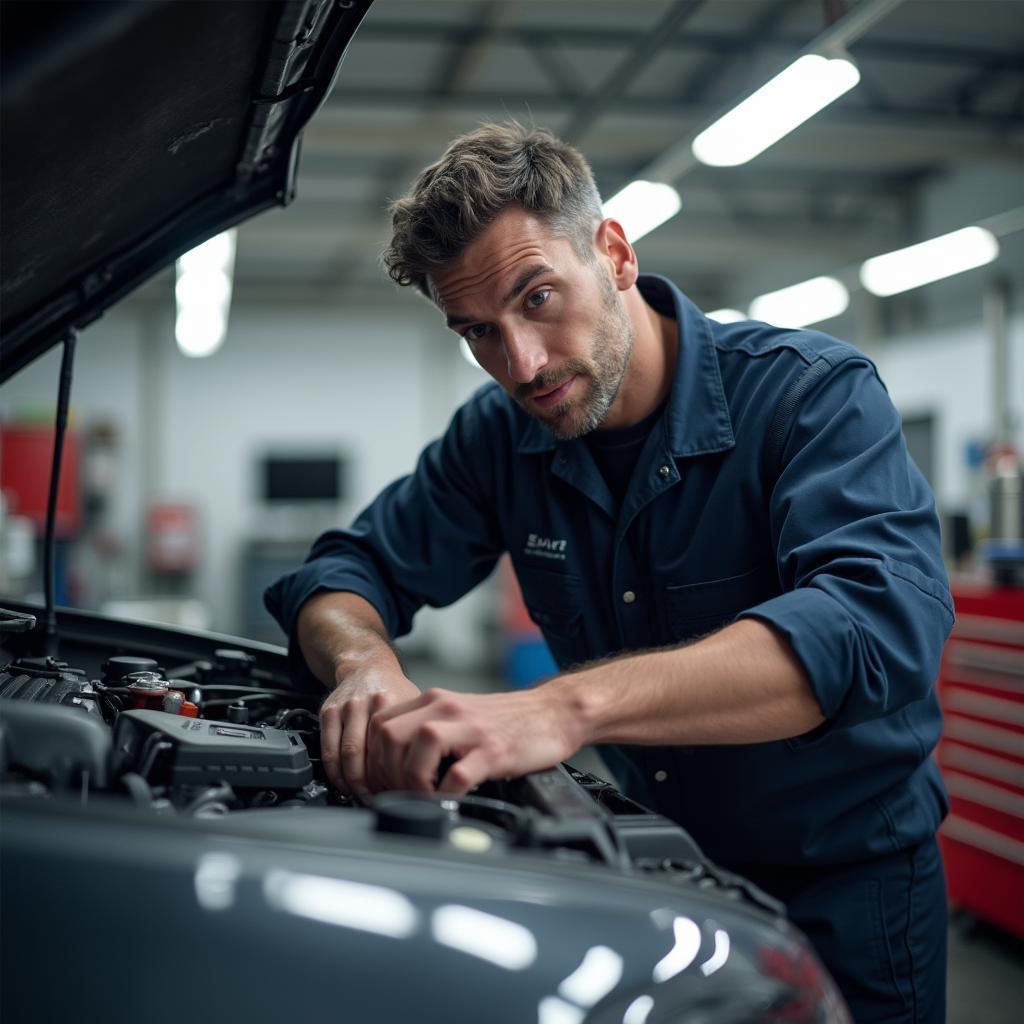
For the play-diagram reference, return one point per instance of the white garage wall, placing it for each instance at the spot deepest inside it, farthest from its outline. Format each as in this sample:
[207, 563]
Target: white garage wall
[949, 373]
[376, 386]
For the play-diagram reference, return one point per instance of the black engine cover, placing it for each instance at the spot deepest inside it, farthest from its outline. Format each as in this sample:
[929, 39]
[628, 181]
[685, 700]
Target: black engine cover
[200, 751]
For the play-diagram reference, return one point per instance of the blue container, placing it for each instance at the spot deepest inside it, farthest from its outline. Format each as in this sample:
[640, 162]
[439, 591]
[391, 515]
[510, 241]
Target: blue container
[527, 661]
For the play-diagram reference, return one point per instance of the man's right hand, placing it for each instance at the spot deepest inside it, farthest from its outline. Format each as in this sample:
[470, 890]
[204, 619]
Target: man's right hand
[345, 716]
[345, 644]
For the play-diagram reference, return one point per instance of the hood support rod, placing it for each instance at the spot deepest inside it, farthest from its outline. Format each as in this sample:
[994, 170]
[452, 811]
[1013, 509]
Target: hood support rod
[50, 543]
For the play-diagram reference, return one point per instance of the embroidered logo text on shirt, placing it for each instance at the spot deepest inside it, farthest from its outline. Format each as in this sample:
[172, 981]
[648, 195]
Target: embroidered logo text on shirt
[545, 547]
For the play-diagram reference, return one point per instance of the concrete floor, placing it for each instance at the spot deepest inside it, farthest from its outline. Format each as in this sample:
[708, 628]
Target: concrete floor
[986, 973]
[986, 965]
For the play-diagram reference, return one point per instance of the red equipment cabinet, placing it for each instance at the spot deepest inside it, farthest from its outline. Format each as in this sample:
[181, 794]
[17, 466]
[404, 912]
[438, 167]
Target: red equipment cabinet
[26, 455]
[981, 754]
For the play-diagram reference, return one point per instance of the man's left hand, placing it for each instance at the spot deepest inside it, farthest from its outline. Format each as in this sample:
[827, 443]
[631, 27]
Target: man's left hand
[489, 735]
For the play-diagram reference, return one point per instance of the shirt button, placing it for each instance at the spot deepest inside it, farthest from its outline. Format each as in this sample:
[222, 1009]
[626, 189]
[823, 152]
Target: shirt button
[628, 597]
[663, 471]
[660, 776]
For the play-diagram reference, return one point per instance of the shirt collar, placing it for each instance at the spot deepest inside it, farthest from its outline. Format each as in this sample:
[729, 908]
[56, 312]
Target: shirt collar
[697, 418]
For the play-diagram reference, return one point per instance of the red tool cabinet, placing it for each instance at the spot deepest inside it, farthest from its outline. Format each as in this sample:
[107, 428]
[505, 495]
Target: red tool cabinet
[981, 754]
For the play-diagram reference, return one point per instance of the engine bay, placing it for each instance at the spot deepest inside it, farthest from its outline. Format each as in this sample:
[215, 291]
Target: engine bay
[203, 737]
[221, 736]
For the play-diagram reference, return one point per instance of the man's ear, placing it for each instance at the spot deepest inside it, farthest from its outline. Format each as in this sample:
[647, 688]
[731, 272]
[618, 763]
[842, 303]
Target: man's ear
[612, 245]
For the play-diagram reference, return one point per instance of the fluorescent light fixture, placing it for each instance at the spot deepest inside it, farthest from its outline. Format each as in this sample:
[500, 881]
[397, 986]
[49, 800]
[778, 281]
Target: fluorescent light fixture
[642, 206]
[487, 936]
[903, 269]
[808, 85]
[214, 254]
[211, 288]
[809, 302]
[726, 316]
[200, 331]
[202, 293]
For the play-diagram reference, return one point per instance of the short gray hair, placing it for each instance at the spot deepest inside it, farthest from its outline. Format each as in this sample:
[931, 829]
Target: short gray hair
[482, 173]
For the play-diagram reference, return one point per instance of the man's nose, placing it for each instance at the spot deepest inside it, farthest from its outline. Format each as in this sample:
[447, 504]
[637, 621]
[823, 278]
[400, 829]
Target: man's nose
[526, 356]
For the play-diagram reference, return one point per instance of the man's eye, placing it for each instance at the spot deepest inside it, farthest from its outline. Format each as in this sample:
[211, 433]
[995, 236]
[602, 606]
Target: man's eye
[538, 298]
[476, 332]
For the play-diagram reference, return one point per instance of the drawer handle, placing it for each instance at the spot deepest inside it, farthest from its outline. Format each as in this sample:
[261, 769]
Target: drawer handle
[985, 793]
[990, 736]
[981, 704]
[984, 627]
[981, 838]
[953, 755]
[991, 659]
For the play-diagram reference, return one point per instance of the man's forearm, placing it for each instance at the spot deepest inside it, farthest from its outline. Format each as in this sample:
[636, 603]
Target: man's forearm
[339, 632]
[741, 685]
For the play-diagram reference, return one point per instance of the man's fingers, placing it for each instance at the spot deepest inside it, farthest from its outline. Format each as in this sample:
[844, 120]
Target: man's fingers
[433, 741]
[352, 746]
[466, 773]
[330, 742]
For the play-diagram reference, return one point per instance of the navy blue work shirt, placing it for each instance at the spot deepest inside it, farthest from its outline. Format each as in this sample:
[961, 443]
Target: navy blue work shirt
[777, 486]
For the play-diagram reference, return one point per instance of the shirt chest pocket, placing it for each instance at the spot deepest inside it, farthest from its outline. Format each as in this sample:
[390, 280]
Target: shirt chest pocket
[555, 603]
[694, 609]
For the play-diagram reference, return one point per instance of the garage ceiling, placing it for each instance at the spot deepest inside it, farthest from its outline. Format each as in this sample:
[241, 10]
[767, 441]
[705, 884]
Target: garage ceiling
[942, 89]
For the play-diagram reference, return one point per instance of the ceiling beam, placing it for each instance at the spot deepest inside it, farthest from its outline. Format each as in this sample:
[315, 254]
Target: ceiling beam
[589, 37]
[714, 68]
[845, 137]
[638, 57]
[668, 106]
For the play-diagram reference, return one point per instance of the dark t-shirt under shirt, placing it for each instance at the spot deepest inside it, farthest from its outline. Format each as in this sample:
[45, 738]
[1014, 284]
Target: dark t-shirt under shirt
[617, 452]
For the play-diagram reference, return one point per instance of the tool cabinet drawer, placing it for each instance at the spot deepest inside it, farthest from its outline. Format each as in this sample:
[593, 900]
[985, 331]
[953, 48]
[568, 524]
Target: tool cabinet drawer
[981, 754]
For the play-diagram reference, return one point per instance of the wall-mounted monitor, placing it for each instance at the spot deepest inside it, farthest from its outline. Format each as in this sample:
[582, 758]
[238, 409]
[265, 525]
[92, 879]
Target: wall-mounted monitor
[303, 477]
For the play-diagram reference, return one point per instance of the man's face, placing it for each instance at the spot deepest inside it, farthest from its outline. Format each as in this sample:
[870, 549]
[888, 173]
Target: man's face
[549, 327]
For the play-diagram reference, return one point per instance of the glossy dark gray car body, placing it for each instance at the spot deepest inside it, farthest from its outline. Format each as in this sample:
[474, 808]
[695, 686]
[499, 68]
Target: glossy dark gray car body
[264, 912]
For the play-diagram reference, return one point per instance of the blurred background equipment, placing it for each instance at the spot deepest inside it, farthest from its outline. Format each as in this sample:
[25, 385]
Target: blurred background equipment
[981, 689]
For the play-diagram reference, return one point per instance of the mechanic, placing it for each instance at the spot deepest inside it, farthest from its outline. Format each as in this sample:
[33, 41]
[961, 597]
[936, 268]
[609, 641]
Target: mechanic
[717, 527]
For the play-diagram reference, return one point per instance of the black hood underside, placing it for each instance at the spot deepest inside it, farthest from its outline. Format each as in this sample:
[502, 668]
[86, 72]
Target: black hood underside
[133, 131]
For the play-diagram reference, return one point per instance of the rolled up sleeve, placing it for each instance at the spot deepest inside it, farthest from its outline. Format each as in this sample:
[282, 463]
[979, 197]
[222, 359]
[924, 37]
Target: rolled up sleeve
[428, 538]
[865, 603]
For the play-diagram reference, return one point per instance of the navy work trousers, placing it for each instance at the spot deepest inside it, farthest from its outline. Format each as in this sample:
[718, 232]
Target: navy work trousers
[879, 926]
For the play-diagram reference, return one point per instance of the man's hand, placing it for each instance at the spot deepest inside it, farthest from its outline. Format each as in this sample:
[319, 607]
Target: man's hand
[489, 736]
[344, 717]
[345, 644]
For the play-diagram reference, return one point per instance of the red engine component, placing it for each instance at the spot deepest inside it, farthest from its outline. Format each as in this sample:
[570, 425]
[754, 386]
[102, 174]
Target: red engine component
[150, 691]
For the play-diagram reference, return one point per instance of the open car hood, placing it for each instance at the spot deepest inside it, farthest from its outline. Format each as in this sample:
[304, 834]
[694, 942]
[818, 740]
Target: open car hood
[132, 132]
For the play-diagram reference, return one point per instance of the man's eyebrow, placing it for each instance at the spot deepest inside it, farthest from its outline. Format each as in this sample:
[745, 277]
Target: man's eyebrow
[524, 279]
[521, 282]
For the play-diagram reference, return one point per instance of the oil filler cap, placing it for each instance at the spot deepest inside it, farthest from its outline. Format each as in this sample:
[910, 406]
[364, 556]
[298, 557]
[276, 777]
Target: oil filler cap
[408, 815]
[116, 668]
